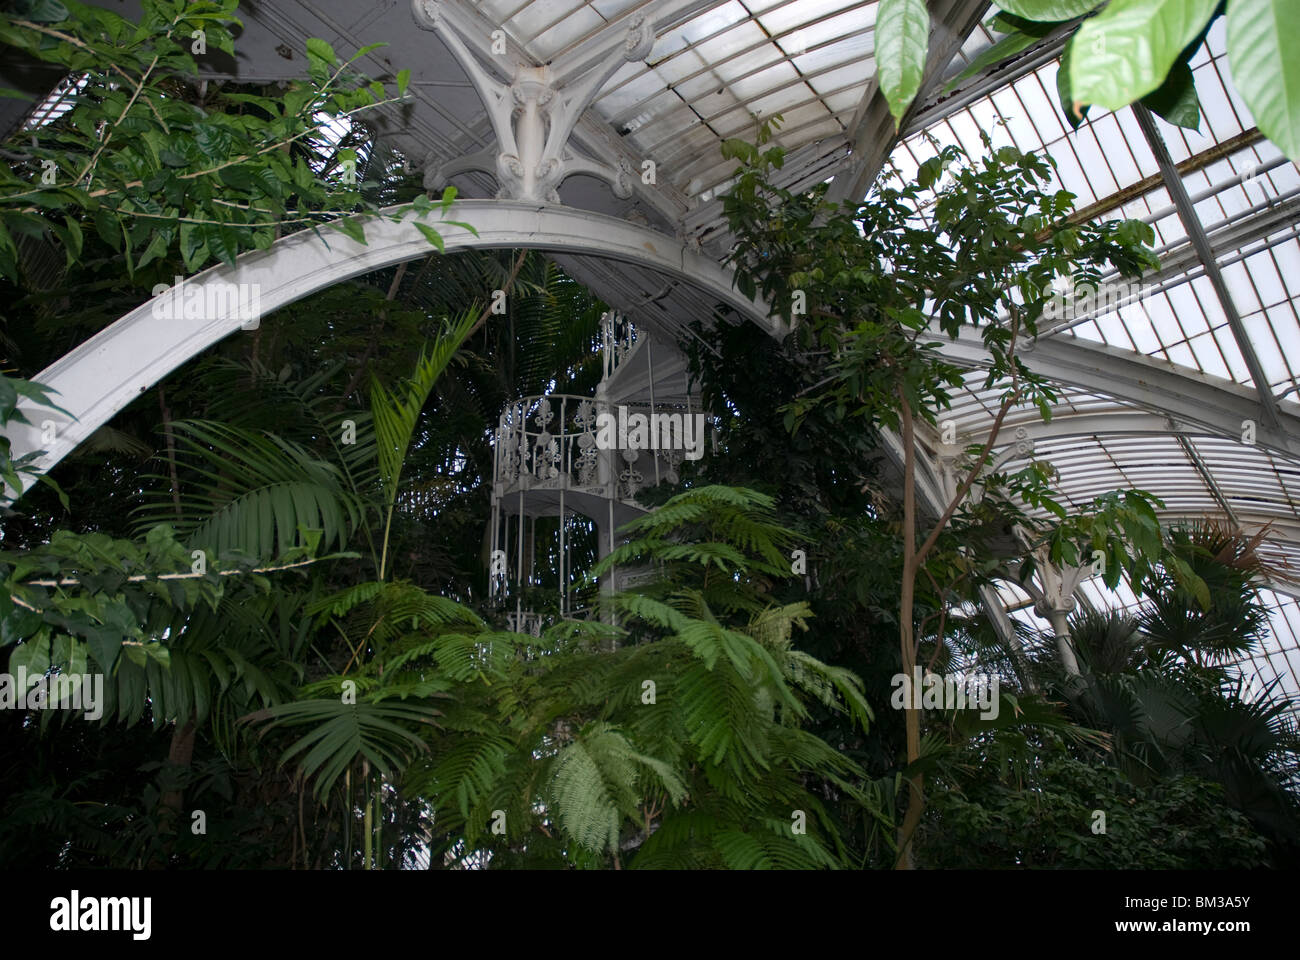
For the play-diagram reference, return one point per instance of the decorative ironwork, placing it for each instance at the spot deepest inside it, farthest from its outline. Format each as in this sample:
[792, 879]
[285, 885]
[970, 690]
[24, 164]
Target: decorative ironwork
[630, 480]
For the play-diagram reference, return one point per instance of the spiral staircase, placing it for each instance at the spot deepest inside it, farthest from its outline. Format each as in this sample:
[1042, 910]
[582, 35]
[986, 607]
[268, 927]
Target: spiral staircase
[548, 462]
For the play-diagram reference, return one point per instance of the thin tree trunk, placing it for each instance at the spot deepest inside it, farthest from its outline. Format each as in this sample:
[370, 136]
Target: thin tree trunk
[171, 448]
[375, 335]
[913, 557]
[907, 645]
[179, 755]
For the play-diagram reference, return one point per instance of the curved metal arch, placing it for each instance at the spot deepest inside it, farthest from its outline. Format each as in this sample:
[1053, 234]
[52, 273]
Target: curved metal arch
[1186, 396]
[102, 375]
[1123, 422]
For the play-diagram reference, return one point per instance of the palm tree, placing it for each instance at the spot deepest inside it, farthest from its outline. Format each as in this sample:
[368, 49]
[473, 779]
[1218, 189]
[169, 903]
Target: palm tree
[1158, 681]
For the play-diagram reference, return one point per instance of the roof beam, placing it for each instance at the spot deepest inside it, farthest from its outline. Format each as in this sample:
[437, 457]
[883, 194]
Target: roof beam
[1210, 484]
[1193, 163]
[1201, 244]
[664, 15]
[999, 75]
[1185, 395]
[596, 138]
[1130, 422]
[99, 377]
[804, 167]
[1180, 262]
[872, 133]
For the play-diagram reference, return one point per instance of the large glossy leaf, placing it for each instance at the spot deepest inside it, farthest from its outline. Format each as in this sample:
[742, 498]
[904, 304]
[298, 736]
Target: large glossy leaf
[1127, 50]
[902, 41]
[1015, 40]
[1175, 100]
[1064, 94]
[1262, 36]
[1049, 9]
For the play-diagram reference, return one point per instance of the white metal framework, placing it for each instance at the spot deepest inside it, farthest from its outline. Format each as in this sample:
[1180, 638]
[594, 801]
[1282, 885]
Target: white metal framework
[102, 375]
[1188, 386]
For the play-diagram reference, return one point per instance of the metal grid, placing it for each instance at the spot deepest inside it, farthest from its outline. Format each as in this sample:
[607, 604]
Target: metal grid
[1178, 317]
[1242, 196]
[717, 75]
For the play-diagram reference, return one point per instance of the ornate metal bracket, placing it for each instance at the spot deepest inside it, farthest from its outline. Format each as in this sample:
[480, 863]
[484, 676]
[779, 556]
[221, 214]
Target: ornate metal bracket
[533, 117]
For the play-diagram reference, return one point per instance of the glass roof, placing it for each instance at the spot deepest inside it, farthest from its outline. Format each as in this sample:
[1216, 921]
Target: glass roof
[1111, 169]
[1244, 196]
[717, 74]
[1278, 662]
[720, 67]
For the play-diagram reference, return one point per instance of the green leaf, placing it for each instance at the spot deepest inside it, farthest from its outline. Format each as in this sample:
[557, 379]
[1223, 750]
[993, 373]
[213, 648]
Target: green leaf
[928, 173]
[222, 241]
[902, 42]
[1049, 10]
[41, 11]
[1128, 49]
[1008, 46]
[734, 148]
[193, 249]
[1175, 100]
[58, 490]
[156, 248]
[432, 235]
[352, 228]
[366, 49]
[1063, 92]
[316, 47]
[1262, 36]
[18, 625]
[33, 654]
[343, 734]
[403, 81]
[68, 654]
[214, 141]
[396, 413]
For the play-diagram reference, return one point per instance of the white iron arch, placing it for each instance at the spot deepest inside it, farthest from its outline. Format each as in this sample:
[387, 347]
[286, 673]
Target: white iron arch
[99, 377]
[102, 375]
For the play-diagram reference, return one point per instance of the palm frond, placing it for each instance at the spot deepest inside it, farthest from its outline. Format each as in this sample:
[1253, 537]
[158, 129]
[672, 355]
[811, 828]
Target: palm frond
[395, 413]
[257, 493]
[344, 734]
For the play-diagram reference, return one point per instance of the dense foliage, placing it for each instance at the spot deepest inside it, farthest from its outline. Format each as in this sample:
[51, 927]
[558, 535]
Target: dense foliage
[277, 557]
[1120, 52]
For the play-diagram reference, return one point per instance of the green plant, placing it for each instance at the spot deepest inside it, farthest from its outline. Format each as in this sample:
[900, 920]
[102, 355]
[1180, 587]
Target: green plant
[1051, 816]
[683, 746]
[1120, 52]
[968, 243]
[11, 389]
[141, 157]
